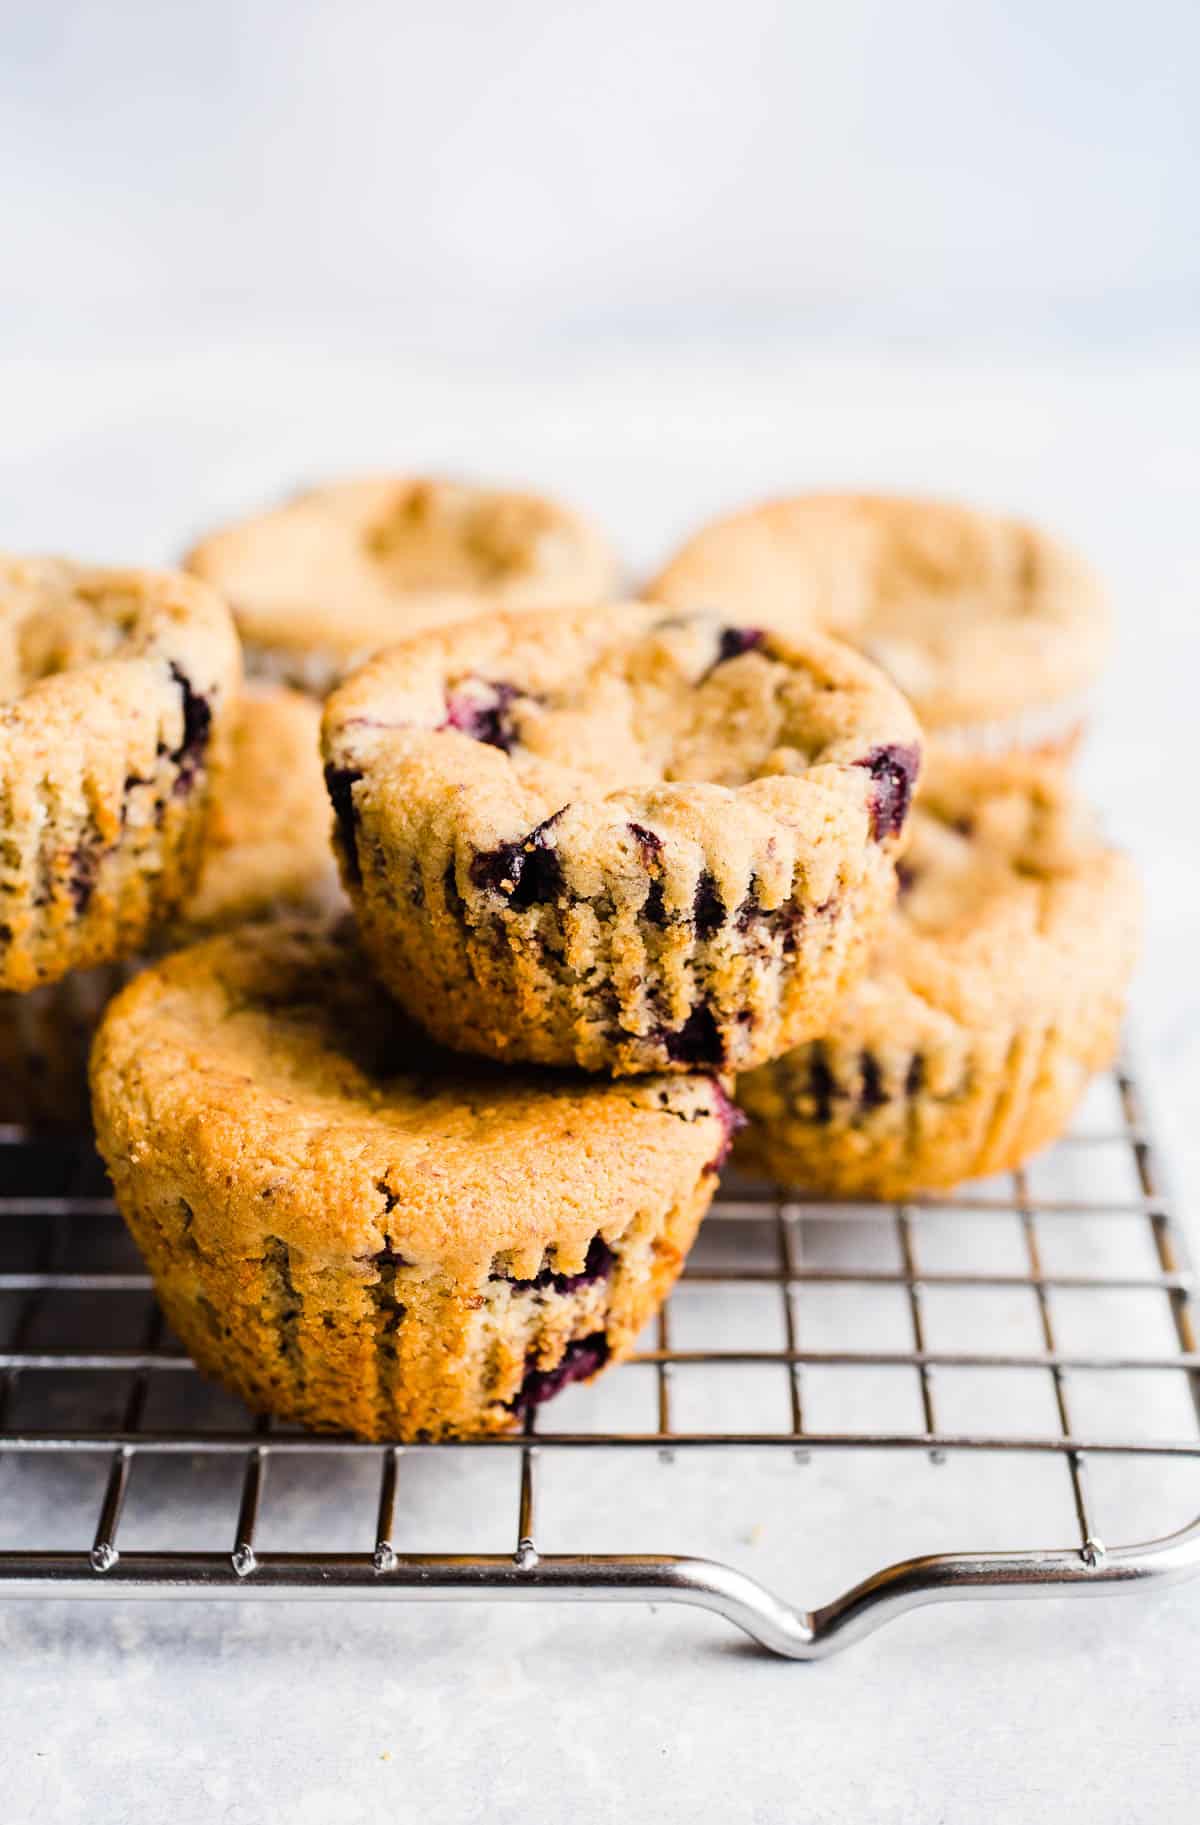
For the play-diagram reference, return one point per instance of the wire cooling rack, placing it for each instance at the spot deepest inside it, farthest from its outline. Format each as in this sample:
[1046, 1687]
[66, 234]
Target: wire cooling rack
[1036, 1333]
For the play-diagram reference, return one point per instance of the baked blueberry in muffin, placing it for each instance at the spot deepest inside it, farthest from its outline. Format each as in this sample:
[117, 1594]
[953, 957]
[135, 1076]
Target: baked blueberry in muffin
[620, 839]
[121, 689]
[266, 851]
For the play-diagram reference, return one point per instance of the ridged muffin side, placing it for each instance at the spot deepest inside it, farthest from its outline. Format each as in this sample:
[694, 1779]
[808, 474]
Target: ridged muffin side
[622, 840]
[995, 994]
[267, 851]
[122, 689]
[356, 1232]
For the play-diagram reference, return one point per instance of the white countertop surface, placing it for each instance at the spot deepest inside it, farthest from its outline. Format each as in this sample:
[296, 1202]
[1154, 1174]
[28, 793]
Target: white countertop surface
[337, 1712]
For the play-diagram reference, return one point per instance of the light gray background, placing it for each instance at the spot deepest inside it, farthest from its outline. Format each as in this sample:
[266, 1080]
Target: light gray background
[657, 259]
[520, 176]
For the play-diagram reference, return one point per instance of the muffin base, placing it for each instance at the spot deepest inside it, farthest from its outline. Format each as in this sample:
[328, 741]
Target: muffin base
[611, 988]
[384, 1351]
[841, 1121]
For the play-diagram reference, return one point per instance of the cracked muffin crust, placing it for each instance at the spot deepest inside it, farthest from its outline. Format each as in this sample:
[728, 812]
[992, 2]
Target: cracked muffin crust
[267, 851]
[996, 991]
[338, 1216]
[120, 688]
[329, 577]
[993, 630]
[621, 839]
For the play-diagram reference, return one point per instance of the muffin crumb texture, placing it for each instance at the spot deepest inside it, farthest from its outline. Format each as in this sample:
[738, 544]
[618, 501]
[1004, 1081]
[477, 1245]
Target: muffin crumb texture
[995, 631]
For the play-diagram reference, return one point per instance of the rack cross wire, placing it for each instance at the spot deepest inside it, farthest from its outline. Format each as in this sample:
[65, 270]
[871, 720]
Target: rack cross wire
[66, 1397]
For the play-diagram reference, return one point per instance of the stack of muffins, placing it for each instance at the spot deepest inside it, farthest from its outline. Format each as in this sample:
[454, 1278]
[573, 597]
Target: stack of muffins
[620, 879]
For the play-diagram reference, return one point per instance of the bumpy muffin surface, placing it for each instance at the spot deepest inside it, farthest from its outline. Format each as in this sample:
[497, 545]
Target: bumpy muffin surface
[996, 991]
[992, 629]
[119, 691]
[622, 839]
[356, 1230]
[327, 578]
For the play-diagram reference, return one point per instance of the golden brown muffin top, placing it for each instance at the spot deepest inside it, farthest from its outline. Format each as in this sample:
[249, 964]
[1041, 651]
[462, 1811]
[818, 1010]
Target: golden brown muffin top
[347, 567]
[70, 631]
[732, 750]
[1010, 899]
[975, 616]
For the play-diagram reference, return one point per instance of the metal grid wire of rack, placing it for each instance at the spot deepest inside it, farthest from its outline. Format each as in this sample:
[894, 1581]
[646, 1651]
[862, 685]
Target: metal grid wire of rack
[799, 1334]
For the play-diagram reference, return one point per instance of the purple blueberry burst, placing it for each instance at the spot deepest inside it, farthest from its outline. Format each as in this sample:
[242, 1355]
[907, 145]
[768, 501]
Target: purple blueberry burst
[340, 783]
[783, 922]
[525, 873]
[697, 1042]
[734, 641]
[708, 908]
[654, 909]
[648, 841]
[388, 1256]
[197, 727]
[893, 769]
[651, 846]
[750, 911]
[483, 711]
[582, 1358]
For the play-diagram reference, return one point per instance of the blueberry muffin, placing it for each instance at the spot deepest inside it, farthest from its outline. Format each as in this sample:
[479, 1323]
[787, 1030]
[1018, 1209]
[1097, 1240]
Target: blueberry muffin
[121, 687]
[338, 1216]
[994, 631]
[619, 839]
[267, 851]
[329, 577]
[995, 993]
